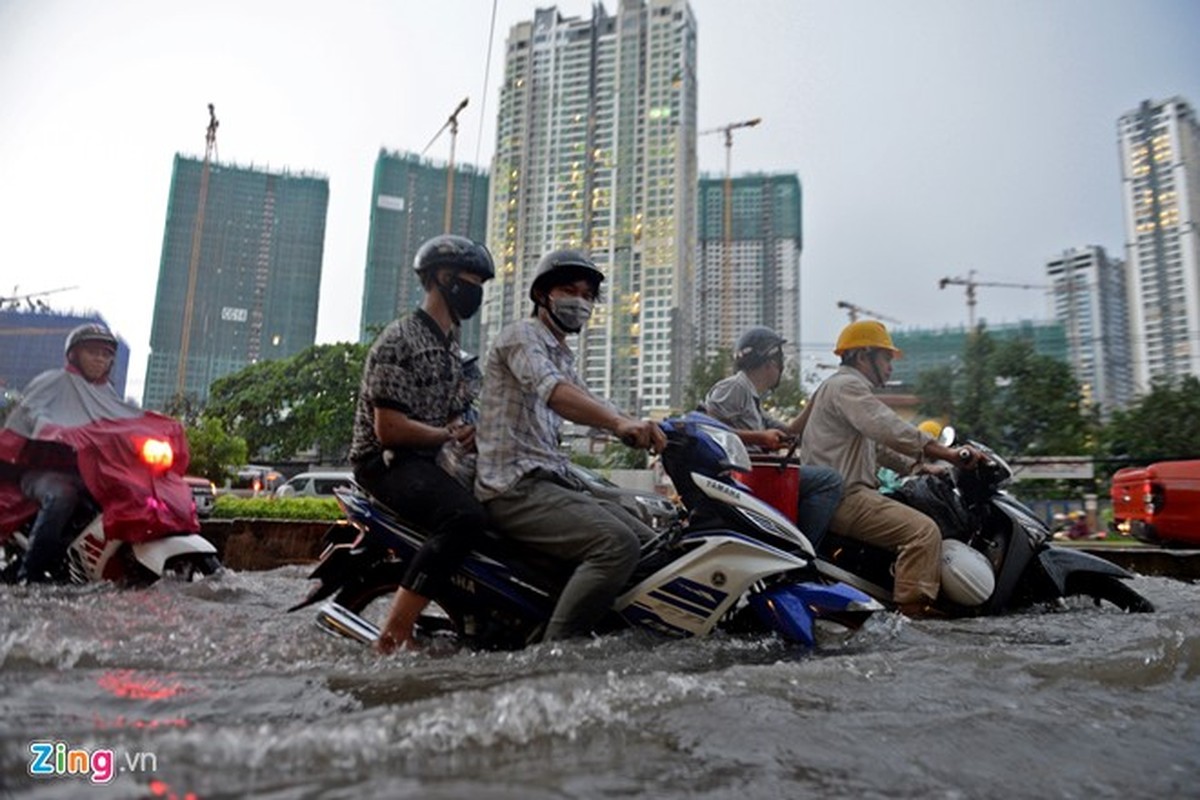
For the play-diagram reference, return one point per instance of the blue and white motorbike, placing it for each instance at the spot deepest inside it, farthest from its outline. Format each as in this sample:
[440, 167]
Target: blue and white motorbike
[734, 564]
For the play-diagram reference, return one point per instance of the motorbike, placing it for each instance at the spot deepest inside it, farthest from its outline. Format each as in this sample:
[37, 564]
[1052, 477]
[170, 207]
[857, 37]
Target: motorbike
[997, 555]
[135, 523]
[733, 563]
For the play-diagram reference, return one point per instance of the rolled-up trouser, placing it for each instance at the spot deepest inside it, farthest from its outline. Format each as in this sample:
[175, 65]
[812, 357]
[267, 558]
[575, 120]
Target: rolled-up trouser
[867, 515]
[56, 493]
[423, 493]
[599, 536]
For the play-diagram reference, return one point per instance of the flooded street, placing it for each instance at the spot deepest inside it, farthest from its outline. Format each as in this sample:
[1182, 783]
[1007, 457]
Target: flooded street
[209, 690]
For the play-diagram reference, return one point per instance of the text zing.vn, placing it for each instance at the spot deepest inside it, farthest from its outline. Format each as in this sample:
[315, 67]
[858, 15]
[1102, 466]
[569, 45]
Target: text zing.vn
[55, 759]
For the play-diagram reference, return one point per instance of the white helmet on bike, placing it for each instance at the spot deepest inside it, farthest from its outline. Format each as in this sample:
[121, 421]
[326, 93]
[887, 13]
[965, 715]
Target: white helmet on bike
[967, 577]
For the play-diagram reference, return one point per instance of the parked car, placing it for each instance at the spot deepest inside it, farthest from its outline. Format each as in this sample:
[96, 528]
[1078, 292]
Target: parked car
[1159, 503]
[253, 480]
[204, 493]
[653, 509]
[315, 484]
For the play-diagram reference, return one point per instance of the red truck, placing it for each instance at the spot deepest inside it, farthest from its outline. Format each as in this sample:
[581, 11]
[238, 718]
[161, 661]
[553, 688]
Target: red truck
[1159, 503]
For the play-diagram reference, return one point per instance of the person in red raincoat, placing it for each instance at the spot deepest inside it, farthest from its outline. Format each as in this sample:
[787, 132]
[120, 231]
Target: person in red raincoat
[58, 443]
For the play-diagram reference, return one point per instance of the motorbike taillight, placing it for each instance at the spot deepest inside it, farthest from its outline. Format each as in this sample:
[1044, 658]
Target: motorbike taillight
[157, 453]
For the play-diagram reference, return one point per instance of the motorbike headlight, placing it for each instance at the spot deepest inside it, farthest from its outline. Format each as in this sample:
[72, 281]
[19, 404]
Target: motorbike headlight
[735, 451]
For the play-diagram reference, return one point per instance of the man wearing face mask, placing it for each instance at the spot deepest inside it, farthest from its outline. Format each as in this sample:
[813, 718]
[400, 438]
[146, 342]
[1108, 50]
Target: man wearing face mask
[737, 401]
[530, 386]
[410, 405]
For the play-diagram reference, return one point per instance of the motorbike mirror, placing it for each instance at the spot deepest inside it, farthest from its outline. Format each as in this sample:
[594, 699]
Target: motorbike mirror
[946, 437]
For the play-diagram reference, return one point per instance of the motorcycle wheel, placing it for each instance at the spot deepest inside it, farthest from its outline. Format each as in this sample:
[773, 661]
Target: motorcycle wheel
[1110, 588]
[192, 568]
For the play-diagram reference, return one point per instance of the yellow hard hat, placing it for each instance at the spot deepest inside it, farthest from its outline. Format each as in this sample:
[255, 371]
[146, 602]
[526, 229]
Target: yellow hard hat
[932, 427]
[865, 333]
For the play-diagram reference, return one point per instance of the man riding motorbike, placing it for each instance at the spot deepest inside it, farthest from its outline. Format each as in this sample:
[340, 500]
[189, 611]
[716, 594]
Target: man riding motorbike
[853, 431]
[47, 476]
[737, 401]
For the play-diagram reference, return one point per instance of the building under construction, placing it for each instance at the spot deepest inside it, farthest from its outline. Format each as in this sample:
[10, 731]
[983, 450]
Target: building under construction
[749, 274]
[408, 206]
[31, 342]
[239, 276]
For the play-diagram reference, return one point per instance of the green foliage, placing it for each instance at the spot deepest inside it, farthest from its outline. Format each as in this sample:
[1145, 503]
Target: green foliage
[299, 508]
[215, 452]
[1008, 396]
[706, 372]
[1163, 425]
[290, 405]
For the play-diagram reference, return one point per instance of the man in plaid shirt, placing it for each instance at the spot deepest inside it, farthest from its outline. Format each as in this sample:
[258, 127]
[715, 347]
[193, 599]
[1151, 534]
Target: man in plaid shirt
[529, 387]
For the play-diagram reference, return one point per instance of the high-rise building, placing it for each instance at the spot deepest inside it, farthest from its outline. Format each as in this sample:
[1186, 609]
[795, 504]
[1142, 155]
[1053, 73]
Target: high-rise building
[248, 285]
[1160, 171]
[32, 342]
[756, 279]
[1090, 300]
[929, 348]
[596, 150]
[408, 206]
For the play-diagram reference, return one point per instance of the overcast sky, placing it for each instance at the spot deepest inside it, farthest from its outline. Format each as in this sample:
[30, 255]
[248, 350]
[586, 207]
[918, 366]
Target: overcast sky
[931, 137]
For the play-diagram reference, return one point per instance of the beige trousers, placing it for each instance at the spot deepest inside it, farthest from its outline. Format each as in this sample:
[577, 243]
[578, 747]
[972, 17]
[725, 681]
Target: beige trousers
[867, 515]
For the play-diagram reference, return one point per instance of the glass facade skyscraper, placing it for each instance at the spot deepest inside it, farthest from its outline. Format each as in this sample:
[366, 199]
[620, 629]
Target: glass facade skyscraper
[596, 151]
[1160, 172]
[252, 294]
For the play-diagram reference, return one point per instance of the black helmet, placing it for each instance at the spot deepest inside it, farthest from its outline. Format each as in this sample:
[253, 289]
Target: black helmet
[455, 252]
[89, 332]
[562, 267]
[757, 346]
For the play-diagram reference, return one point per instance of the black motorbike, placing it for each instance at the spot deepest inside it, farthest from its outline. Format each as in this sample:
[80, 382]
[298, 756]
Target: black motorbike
[1014, 545]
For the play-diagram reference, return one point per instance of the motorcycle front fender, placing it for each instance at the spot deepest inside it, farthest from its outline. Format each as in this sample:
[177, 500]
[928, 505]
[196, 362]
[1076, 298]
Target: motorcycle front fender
[155, 554]
[791, 609]
[1059, 563]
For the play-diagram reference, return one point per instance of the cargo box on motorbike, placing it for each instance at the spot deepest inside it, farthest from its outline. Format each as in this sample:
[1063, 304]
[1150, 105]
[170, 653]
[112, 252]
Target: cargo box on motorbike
[1159, 502]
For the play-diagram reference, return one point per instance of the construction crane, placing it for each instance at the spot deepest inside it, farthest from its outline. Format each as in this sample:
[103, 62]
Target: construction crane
[16, 299]
[726, 252]
[971, 284]
[210, 146]
[452, 124]
[855, 310]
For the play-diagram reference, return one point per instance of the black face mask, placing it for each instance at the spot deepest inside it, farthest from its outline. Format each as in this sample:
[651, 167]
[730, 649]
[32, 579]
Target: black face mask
[463, 298]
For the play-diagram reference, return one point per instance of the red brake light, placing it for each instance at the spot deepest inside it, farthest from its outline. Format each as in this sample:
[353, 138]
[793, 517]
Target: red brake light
[157, 453]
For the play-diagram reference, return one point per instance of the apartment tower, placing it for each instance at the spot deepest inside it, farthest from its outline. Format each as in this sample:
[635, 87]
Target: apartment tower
[1160, 170]
[596, 150]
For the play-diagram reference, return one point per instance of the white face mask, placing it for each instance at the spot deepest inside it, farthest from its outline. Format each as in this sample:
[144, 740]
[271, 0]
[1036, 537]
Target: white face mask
[570, 313]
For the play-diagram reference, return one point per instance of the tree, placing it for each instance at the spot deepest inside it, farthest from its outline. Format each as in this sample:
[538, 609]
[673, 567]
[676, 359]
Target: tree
[1010, 397]
[1163, 425]
[706, 372]
[215, 452]
[290, 405]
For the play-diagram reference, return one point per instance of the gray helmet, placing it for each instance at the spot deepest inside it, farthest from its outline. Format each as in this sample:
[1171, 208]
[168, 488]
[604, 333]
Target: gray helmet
[89, 332]
[561, 267]
[454, 252]
[757, 346]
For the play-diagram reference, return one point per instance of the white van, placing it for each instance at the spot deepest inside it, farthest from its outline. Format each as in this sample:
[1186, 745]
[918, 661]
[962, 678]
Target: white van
[315, 484]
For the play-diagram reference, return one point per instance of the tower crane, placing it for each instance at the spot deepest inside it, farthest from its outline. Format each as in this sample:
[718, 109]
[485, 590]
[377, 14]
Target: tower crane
[971, 284]
[210, 146]
[854, 310]
[16, 299]
[726, 277]
[452, 124]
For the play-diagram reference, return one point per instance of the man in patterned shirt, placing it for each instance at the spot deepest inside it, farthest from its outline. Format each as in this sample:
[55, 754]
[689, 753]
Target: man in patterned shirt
[410, 406]
[530, 386]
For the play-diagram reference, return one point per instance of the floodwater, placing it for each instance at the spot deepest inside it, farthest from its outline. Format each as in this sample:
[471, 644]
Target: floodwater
[210, 690]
